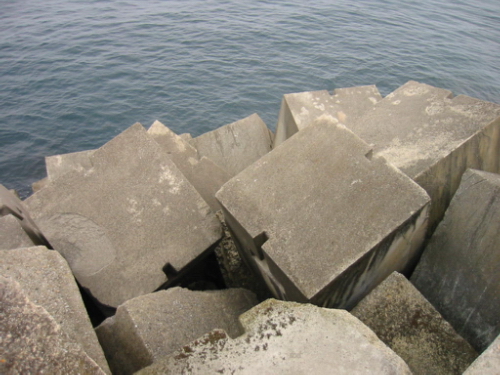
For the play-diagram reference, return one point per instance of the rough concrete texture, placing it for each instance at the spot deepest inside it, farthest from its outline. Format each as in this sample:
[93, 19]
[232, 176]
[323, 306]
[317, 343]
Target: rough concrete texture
[153, 326]
[59, 165]
[10, 204]
[237, 145]
[487, 363]
[12, 234]
[404, 320]
[287, 338]
[345, 105]
[433, 137]
[121, 222]
[31, 340]
[292, 216]
[40, 184]
[458, 271]
[202, 173]
[47, 280]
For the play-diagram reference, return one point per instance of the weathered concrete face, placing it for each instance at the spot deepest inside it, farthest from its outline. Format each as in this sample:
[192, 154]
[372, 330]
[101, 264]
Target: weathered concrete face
[10, 204]
[458, 271]
[59, 165]
[153, 326]
[120, 222]
[12, 234]
[346, 105]
[32, 341]
[235, 146]
[404, 320]
[287, 338]
[433, 137]
[323, 221]
[47, 280]
[203, 174]
[487, 363]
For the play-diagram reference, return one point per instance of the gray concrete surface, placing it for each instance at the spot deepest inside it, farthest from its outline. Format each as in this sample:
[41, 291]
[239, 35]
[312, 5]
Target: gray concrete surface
[458, 271]
[404, 320]
[488, 363]
[47, 280]
[119, 223]
[12, 234]
[322, 220]
[287, 338]
[153, 326]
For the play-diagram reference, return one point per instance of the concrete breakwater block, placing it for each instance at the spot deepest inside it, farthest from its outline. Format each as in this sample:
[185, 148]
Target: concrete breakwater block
[458, 271]
[12, 234]
[206, 176]
[47, 280]
[321, 220]
[408, 323]
[153, 326]
[235, 146]
[488, 363]
[433, 137]
[59, 165]
[32, 341]
[287, 338]
[345, 105]
[125, 220]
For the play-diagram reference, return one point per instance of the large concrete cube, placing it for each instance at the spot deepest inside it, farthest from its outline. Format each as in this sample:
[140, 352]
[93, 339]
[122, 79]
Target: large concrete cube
[12, 234]
[287, 338]
[458, 272]
[153, 326]
[433, 137]
[125, 220]
[206, 176]
[237, 145]
[321, 220]
[47, 280]
[488, 363]
[345, 105]
[403, 319]
[31, 340]
[59, 165]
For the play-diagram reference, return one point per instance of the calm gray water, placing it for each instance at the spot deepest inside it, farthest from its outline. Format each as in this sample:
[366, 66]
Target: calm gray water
[74, 74]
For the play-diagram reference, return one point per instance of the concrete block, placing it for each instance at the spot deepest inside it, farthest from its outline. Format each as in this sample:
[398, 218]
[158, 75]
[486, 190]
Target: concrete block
[59, 165]
[47, 280]
[235, 146]
[287, 338]
[32, 341]
[433, 137]
[10, 204]
[153, 326]
[487, 363]
[12, 234]
[40, 184]
[125, 220]
[345, 105]
[458, 271]
[203, 174]
[321, 220]
[404, 320]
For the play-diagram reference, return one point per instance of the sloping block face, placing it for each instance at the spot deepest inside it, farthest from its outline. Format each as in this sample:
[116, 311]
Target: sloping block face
[47, 280]
[346, 105]
[127, 217]
[235, 146]
[203, 174]
[487, 363]
[433, 137]
[153, 326]
[287, 338]
[32, 341]
[404, 320]
[323, 221]
[458, 271]
[12, 234]
[59, 165]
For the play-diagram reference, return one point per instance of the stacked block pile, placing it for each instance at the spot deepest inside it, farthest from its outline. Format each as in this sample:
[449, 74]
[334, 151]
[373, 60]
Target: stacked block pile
[362, 238]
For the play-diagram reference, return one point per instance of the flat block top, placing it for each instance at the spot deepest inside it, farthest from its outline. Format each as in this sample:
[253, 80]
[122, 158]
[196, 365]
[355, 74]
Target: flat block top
[322, 200]
[417, 125]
